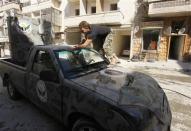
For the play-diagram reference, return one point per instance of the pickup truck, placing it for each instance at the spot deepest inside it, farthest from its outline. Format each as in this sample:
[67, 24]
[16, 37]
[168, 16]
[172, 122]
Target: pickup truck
[80, 89]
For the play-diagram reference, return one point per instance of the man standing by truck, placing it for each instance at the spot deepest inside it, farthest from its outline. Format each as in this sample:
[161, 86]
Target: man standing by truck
[101, 37]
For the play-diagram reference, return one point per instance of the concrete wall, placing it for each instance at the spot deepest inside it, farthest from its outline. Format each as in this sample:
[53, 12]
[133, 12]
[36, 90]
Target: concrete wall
[90, 4]
[163, 48]
[128, 9]
[73, 37]
[187, 49]
[119, 40]
[117, 43]
[69, 8]
[107, 4]
[56, 3]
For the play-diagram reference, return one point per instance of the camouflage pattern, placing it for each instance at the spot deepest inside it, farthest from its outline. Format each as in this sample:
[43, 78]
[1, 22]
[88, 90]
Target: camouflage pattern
[107, 46]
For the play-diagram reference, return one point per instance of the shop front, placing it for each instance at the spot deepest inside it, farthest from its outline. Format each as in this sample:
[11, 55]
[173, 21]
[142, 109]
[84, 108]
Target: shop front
[147, 39]
[164, 40]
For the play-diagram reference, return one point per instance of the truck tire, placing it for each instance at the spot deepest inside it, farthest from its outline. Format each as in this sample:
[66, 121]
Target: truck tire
[84, 124]
[12, 92]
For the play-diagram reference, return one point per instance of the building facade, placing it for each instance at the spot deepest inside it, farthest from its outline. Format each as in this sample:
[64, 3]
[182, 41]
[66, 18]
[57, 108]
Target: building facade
[164, 31]
[65, 15]
[144, 29]
[49, 10]
[117, 14]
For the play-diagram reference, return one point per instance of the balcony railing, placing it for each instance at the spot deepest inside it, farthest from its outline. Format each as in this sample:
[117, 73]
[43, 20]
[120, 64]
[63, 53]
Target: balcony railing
[7, 2]
[30, 7]
[8, 6]
[4, 39]
[112, 17]
[29, 3]
[170, 8]
[152, 1]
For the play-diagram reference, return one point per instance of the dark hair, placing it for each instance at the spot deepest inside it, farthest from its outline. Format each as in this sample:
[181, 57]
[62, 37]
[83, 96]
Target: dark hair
[84, 24]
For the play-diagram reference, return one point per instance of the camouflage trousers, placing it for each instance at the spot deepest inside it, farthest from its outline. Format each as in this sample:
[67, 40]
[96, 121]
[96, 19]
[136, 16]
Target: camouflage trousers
[107, 46]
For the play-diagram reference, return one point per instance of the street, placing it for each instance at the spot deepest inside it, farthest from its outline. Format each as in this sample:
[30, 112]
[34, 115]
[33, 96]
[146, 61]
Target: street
[23, 116]
[43, 43]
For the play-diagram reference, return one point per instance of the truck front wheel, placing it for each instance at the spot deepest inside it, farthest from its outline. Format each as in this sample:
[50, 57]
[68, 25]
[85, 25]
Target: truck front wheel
[83, 124]
[12, 92]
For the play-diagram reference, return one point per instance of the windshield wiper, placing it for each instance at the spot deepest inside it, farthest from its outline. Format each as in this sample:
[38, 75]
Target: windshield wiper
[76, 70]
[100, 65]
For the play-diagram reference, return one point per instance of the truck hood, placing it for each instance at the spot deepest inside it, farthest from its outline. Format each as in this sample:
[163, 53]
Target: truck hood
[127, 88]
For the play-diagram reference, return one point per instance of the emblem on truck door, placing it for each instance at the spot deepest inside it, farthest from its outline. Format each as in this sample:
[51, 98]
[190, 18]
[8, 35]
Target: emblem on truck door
[41, 91]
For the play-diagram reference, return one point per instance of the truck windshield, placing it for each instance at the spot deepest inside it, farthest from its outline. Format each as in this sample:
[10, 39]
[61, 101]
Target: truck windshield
[75, 61]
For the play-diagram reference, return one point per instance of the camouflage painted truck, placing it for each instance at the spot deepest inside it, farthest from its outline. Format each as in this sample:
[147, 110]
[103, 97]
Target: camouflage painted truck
[80, 89]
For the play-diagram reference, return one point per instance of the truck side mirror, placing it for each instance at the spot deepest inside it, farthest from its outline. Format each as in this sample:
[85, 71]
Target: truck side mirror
[49, 75]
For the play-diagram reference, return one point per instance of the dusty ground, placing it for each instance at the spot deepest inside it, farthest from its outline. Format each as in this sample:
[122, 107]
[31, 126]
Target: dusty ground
[24, 116]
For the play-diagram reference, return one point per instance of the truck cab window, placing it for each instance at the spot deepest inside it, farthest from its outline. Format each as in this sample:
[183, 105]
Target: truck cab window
[42, 62]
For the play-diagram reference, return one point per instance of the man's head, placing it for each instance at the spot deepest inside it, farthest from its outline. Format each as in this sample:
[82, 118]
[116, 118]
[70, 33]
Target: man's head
[84, 26]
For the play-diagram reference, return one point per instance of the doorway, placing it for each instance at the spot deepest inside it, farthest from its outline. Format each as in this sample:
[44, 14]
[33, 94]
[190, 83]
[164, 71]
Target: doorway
[126, 42]
[176, 46]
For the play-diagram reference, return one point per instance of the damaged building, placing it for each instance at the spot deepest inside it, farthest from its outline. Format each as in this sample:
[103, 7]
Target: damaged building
[49, 10]
[116, 14]
[164, 31]
[46, 10]
[148, 30]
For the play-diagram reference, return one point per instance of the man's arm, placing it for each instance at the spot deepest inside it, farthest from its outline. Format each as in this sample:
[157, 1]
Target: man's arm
[85, 44]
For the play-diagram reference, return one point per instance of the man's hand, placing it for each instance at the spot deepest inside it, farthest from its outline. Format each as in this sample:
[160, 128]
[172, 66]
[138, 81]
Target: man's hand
[84, 45]
[76, 46]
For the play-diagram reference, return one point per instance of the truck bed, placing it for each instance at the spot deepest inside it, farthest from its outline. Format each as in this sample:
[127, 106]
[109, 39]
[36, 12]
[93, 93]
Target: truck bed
[14, 72]
[10, 61]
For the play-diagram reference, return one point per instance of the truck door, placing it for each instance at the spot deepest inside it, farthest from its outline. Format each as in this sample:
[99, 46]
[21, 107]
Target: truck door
[43, 84]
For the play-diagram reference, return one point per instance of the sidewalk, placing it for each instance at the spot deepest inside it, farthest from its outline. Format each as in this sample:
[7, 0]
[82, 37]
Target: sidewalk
[170, 83]
[171, 65]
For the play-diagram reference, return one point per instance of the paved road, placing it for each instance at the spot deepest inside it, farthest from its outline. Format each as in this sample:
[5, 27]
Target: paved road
[24, 116]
